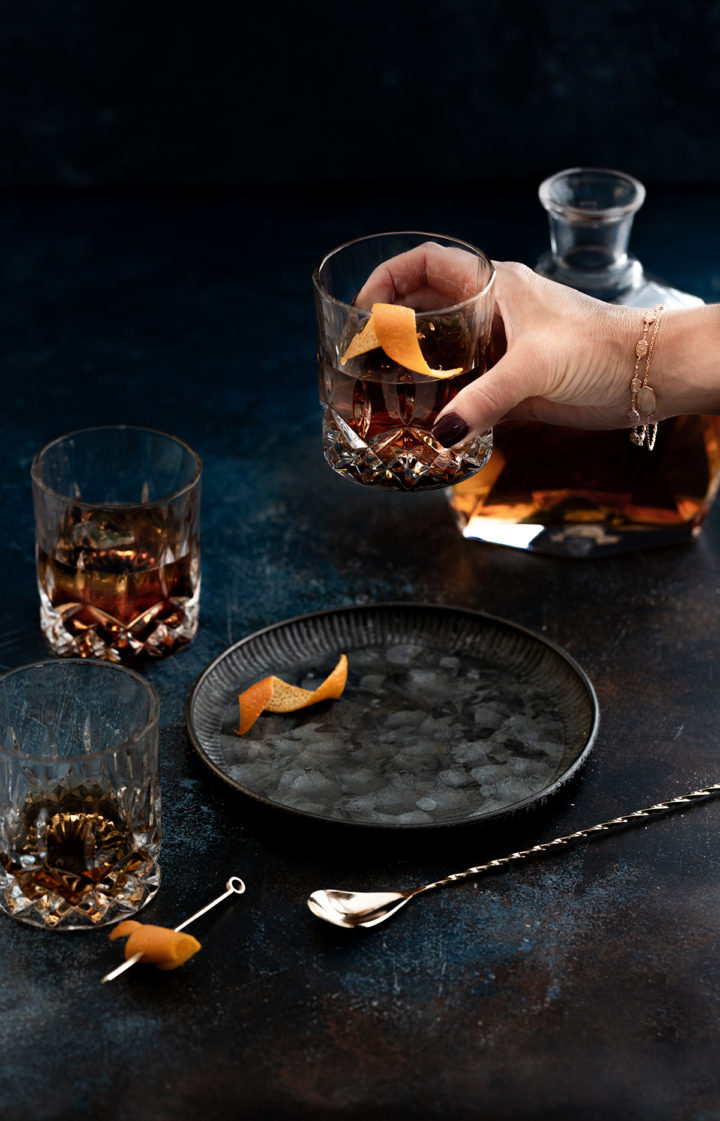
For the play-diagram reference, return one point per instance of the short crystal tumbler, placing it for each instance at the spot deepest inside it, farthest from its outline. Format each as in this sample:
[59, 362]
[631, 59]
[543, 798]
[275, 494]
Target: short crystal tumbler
[386, 372]
[79, 793]
[117, 529]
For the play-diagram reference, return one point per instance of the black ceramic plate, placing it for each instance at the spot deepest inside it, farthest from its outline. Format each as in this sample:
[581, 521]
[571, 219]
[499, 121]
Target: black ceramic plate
[449, 716]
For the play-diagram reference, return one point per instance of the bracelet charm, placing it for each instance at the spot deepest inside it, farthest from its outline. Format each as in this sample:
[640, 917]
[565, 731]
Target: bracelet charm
[643, 398]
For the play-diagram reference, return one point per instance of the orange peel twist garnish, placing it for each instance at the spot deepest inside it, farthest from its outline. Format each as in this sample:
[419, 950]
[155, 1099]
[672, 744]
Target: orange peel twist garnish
[159, 946]
[272, 694]
[393, 328]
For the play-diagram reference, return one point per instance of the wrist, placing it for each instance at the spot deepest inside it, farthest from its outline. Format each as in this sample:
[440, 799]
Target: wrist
[686, 359]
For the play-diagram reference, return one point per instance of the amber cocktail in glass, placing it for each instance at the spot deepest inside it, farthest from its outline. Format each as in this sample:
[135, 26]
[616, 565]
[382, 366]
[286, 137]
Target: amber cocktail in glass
[380, 402]
[117, 525]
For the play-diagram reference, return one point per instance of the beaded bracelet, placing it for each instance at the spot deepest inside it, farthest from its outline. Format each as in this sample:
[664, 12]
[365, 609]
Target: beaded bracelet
[643, 399]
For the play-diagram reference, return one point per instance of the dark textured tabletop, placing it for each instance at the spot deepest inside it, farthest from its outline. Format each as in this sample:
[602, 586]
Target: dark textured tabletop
[582, 986]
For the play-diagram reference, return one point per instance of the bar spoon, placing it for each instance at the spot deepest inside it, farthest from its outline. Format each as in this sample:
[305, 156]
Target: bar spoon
[351, 909]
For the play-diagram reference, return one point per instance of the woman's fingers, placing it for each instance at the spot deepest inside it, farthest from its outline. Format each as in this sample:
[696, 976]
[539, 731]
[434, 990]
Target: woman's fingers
[427, 277]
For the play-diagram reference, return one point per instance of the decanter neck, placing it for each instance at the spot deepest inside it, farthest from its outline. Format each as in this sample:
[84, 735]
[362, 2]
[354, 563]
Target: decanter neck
[590, 214]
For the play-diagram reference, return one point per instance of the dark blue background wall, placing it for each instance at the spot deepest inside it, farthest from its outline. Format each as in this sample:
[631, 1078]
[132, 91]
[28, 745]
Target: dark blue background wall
[97, 93]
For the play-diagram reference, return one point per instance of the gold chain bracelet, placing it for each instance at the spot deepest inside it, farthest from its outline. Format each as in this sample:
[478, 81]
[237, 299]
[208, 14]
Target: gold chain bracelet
[643, 398]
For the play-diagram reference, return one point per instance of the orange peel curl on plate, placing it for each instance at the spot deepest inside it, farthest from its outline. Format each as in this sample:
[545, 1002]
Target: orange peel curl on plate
[159, 946]
[393, 328]
[272, 694]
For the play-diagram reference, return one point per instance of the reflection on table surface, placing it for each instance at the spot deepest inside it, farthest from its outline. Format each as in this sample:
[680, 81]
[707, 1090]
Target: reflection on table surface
[584, 984]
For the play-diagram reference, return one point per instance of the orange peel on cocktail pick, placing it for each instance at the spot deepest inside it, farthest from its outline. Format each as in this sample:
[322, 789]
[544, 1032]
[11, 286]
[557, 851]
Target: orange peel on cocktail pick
[160, 946]
[272, 694]
[157, 945]
[393, 328]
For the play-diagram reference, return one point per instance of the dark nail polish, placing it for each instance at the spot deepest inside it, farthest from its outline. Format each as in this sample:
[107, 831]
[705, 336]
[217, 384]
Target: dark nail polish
[450, 429]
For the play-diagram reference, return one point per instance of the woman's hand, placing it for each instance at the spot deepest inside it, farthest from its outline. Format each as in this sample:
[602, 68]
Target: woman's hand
[557, 356]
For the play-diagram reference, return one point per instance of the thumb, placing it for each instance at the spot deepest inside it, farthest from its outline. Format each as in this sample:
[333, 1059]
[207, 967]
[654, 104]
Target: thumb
[488, 399]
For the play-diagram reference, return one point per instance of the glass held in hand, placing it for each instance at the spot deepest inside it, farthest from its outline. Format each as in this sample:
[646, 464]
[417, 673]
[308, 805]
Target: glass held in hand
[404, 323]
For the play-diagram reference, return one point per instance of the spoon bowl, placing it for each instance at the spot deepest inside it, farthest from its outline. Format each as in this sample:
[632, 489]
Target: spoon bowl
[357, 908]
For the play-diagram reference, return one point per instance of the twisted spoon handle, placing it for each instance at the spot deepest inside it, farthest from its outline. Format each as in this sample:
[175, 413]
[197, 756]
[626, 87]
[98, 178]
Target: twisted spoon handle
[580, 835]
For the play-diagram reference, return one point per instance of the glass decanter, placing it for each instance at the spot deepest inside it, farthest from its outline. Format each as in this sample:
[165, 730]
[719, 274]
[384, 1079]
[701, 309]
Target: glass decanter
[573, 492]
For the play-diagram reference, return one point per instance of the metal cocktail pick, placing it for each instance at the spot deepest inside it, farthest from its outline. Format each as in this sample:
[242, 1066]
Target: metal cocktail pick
[368, 908]
[234, 886]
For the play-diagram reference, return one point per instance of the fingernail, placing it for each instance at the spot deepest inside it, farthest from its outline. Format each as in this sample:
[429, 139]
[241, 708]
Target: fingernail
[450, 429]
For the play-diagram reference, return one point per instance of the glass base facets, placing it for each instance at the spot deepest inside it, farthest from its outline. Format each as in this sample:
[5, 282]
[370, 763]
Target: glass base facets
[120, 895]
[168, 627]
[404, 458]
